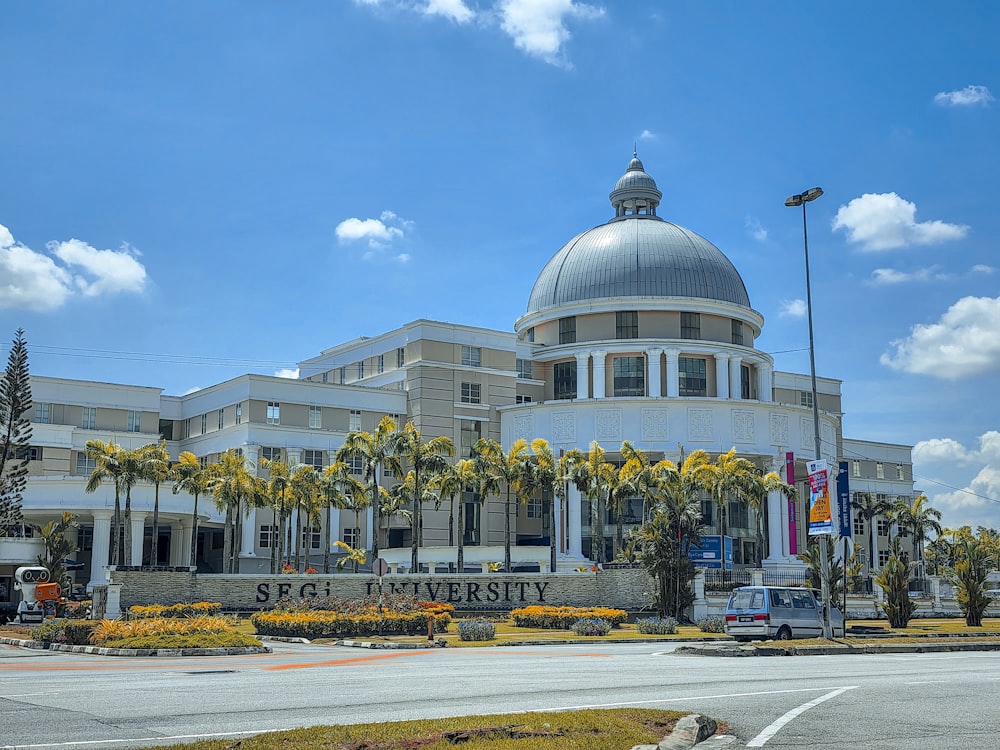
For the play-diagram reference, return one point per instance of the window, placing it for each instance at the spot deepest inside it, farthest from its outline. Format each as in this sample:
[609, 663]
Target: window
[361, 370]
[43, 413]
[707, 509]
[692, 376]
[381, 363]
[627, 325]
[899, 472]
[744, 382]
[355, 421]
[352, 537]
[222, 413]
[531, 334]
[738, 515]
[534, 508]
[204, 423]
[343, 375]
[522, 399]
[311, 536]
[856, 468]
[326, 375]
[630, 376]
[357, 465]
[471, 393]
[564, 379]
[471, 431]
[883, 557]
[315, 417]
[33, 453]
[273, 412]
[883, 527]
[690, 325]
[738, 332]
[524, 368]
[400, 357]
[239, 413]
[859, 526]
[472, 356]
[567, 330]
[89, 418]
[84, 465]
[134, 421]
[264, 536]
[270, 454]
[85, 538]
[806, 399]
[313, 458]
[879, 470]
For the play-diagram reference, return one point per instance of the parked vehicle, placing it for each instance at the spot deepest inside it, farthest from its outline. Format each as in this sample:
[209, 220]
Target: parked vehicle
[763, 612]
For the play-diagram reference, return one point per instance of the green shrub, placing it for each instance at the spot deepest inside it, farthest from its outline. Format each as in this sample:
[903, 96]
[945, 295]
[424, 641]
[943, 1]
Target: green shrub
[184, 609]
[712, 624]
[323, 624]
[476, 630]
[562, 618]
[50, 631]
[194, 640]
[657, 626]
[591, 626]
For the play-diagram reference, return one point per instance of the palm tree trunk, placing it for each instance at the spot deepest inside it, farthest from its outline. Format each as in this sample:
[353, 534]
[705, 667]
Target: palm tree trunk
[451, 522]
[237, 537]
[376, 517]
[326, 537]
[553, 532]
[461, 535]
[194, 532]
[506, 533]
[227, 539]
[154, 545]
[116, 530]
[298, 540]
[128, 526]
[357, 525]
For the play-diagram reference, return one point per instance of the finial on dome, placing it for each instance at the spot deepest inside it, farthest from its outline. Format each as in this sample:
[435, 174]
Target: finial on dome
[635, 194]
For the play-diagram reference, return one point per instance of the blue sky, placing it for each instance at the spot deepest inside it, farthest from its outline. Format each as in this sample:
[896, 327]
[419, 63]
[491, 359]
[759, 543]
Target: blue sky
[190, 191]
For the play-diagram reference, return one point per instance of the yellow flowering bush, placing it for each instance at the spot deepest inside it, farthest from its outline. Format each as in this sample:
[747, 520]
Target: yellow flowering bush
[118, 630]
[562, 618]
[184, 609]
[328, 624]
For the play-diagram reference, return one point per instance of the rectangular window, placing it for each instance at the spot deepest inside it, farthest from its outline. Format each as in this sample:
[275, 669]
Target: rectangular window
[269, 453]
[690, 325]
[564, 380]
[264, 536]
[381, 363]
[531, 334]
[744, 382]
[524, 368]
[43, 413]
[534, 508]
[522, 399]
[89, 418]
[627, 325]
[204, 423]
[693, 381]
[899, 472]
[472, 356]
[315, 417]
[85, 538]
[343, 375]
[273, 412]
[134, 421]
[313, 458]
[883, 527]
[239, 413]
[325, 377]
[856, 468]
[738, 332]
[879, 470]
[352, 537]
[84, 466]
[357, 465]
[361, 370]
[567, 330]
[355, 421]
[859, 526]
[400, 357]
[630, 376]
[471, 393]
[471, 431]
[806, 399]
[222, 413]
[883, 557]
[34, 453]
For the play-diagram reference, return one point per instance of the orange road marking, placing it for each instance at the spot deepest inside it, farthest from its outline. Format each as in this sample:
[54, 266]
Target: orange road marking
[338, 662]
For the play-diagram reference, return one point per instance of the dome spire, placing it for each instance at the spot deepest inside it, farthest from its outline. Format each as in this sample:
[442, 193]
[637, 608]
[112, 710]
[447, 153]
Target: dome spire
[635, 193]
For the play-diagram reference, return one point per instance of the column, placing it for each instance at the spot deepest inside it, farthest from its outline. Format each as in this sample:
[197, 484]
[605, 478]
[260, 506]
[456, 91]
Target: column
[775, 529]
[101, 549]
[249, 534]
[722, 376]
[185, 534]
[736, 375]
[334, 528]
[574, 528]
[600, 390]
[557, 510]
[581, 375]
[653, 373]
[176, 545]
[138, 533]
[673, 372]
[370, 528]
[765, 385]
[294, 456]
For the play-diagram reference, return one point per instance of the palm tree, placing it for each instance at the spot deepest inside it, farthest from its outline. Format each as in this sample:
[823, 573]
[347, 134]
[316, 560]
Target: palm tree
[545, 473]
[234, 488]
[760, 487]
[377, 451]
[453, 482]
[131, 464]
[511, 470]
[155, 469]
[635, 478]
[189, 475]
[107, 466]
[729, 477]
[356, 499]
[304, 488]
[425, 460]
[278, 476]
[395, 502]
[920, 518]
[337, 485]
[870, 507]
[57, 548]
[593, 476]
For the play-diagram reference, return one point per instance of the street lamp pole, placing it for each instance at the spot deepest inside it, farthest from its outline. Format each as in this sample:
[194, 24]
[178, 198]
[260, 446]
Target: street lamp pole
[801, 199]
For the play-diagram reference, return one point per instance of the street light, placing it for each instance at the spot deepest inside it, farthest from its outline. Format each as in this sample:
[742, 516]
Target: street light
[801, 200]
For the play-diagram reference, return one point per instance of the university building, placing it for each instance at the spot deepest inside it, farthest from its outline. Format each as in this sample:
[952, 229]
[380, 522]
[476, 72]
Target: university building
[637, 329]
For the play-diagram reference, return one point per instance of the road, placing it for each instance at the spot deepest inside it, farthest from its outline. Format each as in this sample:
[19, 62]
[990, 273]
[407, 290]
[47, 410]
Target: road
[75, 701]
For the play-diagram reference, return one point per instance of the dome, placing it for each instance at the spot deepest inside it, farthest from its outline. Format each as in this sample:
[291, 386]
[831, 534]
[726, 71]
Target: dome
[637, 254]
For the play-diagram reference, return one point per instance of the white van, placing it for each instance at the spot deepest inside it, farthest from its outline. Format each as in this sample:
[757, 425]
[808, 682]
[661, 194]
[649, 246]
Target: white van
[780, 612]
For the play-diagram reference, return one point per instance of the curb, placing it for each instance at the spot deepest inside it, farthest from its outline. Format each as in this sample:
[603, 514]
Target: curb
[845, 650]
[101, 651]
[544, 642]
[691, 730]
[390, 646]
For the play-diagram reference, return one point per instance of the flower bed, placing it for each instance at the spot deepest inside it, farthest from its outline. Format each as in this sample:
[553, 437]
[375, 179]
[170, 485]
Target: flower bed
[327, 624]
[157, 611]
[562, 618]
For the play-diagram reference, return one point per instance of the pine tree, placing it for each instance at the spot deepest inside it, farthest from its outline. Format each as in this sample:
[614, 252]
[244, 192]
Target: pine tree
[15, 432]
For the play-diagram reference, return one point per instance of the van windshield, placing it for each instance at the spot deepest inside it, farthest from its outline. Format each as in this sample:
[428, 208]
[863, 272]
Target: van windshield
[747, 599]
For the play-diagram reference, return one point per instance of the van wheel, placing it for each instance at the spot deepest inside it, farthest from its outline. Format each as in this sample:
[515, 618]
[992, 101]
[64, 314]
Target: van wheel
[784, 633]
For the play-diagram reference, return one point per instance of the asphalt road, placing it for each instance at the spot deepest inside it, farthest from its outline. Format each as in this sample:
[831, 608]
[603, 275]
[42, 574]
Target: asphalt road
[939, 701]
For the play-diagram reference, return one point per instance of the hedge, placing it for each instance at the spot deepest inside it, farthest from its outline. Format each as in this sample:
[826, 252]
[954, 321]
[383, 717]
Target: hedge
[326, 624]
[562, 618]
[184, 609]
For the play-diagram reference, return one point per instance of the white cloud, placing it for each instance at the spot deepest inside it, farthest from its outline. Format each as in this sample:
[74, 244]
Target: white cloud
[379, 233]
[884, 221]
[974, 501]
[538, 27]
[885, 276]
[755, 229]
[456, 10]
[967, 97]
[983, 269]
[403, 258]
[35, 281]
[792, 308]
[940, 450]
[963, 343]
[647, 135]
[287, 372]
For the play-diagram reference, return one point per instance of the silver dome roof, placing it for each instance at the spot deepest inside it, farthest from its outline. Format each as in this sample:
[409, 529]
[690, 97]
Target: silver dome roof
[637, 255]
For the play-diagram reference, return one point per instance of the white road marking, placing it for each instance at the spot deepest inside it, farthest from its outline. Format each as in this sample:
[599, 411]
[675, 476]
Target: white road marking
[775, 726]
[925, 682]
[672, 700]
[159, 738]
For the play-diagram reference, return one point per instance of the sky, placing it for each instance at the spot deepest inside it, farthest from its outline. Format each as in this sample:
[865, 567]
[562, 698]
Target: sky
[190, 191]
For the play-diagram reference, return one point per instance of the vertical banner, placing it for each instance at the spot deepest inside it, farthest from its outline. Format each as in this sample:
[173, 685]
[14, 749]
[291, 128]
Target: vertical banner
[844, 501]
[793, 536]
[820, 518]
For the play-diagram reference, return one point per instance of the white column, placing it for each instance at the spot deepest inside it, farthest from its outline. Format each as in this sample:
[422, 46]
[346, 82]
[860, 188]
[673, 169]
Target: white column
[101, 547]
[249, 534]
[251, 458]
[294, 456]
[776, 533]
[370, 528]
[185, 541]
[786, 544]
[722, 376]
[673, 373]
[653, 373]
[176, 545]
[138, 533]
[600, 390]
[736, 376]
[764, 384]
[558, 521]
[581, 375]
[334, 528]
[574, 529]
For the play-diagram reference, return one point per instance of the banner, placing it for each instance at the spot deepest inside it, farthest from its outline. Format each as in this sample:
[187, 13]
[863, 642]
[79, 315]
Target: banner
[793, 535]
[844, 501]
[820, 518]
